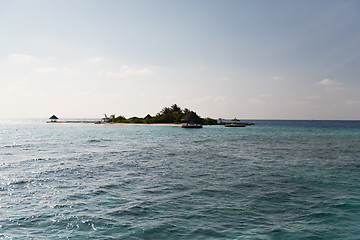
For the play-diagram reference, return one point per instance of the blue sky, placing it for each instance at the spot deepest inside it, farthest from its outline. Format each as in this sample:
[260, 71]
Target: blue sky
[245, 59]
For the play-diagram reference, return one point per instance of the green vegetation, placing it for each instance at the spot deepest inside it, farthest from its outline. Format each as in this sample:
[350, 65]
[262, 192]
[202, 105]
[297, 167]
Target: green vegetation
[210, 121]
[172, 114]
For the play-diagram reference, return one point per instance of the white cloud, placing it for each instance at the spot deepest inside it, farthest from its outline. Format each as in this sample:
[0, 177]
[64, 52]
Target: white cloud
[333, 89]
[126, 71]
[257, 101]
[330, 85]
[21, 58]
[135, 71]
[44, 70]
[328, 82]
[68, 71]
[352, 102]
[25, 58]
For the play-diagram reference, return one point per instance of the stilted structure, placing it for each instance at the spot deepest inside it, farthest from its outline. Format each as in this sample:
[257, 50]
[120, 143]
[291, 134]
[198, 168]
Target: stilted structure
[192, 120]
[235, 123]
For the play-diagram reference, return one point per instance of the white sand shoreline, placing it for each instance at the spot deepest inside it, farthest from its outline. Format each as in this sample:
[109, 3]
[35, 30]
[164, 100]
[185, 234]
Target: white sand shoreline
[121, 124]
[143, 124]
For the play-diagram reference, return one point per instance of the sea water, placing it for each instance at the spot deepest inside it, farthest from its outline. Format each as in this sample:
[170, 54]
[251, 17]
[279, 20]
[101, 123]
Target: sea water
[274, 180]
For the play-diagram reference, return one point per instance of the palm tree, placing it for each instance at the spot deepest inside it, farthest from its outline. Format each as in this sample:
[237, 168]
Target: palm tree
[175, 108]
[112, 118]
[166, 110]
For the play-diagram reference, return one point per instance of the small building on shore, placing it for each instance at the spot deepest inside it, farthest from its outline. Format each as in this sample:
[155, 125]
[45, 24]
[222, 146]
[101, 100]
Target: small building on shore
[53, 118]
[148, 118]
[192, 120]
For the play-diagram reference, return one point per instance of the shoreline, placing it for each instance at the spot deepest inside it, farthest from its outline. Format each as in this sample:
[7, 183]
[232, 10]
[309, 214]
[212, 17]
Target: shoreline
[120, 124]
[143, 124]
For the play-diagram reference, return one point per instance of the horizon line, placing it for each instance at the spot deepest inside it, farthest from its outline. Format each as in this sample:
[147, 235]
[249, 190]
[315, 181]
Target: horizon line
[255, 119]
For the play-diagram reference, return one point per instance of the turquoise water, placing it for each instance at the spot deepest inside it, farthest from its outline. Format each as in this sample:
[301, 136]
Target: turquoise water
[274, 180]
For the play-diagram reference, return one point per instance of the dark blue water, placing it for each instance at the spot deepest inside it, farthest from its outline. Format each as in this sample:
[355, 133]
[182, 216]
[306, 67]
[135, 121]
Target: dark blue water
[274, 180]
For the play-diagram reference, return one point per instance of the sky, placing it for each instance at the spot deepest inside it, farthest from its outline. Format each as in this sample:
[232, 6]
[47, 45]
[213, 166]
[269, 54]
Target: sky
[249, 59]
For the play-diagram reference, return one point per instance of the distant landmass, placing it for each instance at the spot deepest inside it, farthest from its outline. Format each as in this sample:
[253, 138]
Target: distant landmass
[172, 114]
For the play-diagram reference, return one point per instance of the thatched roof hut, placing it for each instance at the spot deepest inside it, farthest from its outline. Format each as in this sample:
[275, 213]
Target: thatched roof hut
[53, 118]
[192, 118]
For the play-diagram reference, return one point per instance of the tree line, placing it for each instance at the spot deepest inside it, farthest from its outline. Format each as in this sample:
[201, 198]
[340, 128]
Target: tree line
[172, 114]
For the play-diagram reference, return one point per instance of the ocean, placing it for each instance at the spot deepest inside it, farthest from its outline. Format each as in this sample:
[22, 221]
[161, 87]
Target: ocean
[274, 180]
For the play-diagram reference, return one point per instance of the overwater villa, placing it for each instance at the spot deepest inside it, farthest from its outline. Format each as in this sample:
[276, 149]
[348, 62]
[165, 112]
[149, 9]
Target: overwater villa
[53, 118]
[192, 120]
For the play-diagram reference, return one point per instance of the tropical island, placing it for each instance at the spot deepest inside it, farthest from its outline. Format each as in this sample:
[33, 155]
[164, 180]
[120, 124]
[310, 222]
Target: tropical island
[167, 116]
[171, 115]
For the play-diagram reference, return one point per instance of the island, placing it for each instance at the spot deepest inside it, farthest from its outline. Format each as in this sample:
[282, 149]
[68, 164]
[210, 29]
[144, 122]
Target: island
[173, 115]
[168, 115]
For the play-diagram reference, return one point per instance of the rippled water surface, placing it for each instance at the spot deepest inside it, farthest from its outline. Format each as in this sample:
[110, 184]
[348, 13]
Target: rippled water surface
[274, 180]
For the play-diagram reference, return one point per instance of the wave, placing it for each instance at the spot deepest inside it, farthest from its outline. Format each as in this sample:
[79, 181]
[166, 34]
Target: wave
[20, 182]
[98, 140]
[15, 145]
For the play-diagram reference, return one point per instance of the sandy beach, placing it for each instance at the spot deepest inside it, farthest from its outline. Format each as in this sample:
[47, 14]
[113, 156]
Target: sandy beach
[144, 124]
[121, 124]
